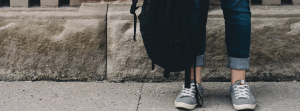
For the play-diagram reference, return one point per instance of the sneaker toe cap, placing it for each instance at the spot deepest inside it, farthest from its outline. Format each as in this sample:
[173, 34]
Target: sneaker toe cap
[187, 100]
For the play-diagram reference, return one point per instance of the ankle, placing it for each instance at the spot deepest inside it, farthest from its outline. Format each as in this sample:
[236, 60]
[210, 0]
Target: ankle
[232, 82]
[192, 81]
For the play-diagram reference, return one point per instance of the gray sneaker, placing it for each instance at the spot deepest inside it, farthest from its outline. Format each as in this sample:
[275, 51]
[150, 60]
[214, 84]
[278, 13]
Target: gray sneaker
[186, 98]
[241, 96]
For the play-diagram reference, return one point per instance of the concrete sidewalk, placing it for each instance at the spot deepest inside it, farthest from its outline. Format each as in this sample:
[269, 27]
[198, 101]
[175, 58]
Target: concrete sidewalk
[105, 96]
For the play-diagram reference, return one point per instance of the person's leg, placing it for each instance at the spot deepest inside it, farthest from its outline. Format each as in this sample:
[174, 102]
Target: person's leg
[238, 67]
[200, 62]
[237, 17]
[237, 75]
[198, 74]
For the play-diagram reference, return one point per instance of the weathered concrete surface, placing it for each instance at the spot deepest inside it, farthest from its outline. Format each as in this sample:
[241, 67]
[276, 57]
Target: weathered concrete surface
[275, 48]
[19, 3]
[103, 96]
[296, 2]
[74, 3]
[69, 96]
[53, 45]
[271, 2]
[270, 96]
[49, 3]
[93, 9]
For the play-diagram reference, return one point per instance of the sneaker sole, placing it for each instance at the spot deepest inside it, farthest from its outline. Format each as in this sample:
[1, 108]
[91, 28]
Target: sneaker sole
[244, 106]
[184, 105]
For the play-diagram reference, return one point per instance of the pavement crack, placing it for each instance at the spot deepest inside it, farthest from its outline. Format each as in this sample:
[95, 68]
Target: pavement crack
[137, 108]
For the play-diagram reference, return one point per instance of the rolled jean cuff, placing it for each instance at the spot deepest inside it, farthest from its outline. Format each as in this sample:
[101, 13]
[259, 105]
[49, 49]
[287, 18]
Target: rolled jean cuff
[238, 63]
[200, 60]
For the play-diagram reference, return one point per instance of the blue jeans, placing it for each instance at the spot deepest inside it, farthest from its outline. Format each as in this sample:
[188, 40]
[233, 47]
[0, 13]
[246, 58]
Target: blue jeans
[237, 17]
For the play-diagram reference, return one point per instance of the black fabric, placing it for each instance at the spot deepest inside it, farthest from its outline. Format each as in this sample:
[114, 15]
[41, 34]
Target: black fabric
[163, 25]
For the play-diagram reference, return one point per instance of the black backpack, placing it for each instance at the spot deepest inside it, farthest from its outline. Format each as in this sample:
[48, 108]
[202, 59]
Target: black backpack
[164, 29]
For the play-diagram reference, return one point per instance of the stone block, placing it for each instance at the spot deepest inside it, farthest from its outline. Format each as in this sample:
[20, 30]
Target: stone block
[93, 8]
[75, 3]
[296, 2]
[275, 40]
[49, 3]
[53, 45]
[271, 2]
[19, 3]
[215, 2]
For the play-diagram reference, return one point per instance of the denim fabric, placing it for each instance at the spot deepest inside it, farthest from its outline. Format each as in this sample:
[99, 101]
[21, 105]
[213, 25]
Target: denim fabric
[237, 17]
[238, 63]
[200, 60]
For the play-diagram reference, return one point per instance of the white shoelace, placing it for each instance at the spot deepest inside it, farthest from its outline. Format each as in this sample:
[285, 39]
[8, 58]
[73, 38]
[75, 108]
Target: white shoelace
[241, 91]
[188, 91]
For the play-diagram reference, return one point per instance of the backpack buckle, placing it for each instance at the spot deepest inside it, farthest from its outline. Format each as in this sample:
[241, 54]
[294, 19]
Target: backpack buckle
[133, 6]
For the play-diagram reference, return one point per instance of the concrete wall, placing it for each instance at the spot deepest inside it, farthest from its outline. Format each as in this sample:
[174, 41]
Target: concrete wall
[95, 43]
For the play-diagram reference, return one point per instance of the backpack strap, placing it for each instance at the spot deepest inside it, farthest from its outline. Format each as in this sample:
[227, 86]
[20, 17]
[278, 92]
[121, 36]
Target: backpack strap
[132, 11]
[188, 54]
[188, 62]
[201, 28]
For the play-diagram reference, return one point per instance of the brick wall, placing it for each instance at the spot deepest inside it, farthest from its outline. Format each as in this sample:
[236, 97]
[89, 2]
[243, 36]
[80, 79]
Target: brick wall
[74, 3]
